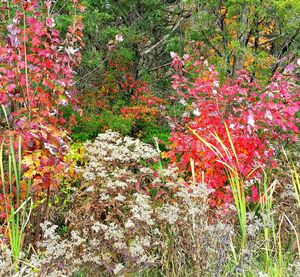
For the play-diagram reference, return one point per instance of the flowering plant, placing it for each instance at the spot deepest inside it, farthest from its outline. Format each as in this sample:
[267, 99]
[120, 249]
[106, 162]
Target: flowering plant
[117, 223]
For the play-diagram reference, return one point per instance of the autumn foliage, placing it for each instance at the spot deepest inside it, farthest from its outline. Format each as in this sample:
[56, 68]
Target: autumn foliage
[36, 81]
[120, 91]
[258, 118]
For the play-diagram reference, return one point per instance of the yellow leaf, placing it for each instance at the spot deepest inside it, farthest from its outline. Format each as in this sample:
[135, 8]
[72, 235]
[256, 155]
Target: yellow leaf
[30, 172]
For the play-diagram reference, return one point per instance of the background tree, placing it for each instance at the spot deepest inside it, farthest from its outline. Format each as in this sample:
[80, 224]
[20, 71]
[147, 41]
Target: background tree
[258, 35]
[149, 32]
[127, 43]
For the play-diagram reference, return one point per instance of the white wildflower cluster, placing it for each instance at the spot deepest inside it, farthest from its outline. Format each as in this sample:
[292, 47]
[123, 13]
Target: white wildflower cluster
[263, 274]
[170, 172]
[118, 268]
[125, 216]
[256, 224]
[137, 249]
[96, 227]
[141, 210]
[170, 213]
[129, 224]
[53, 251]
[112, 159]
[6, 263]
[117, 211]
[120, 198]
[54, 248]
[146, 170]
[113, 232]
[110, 148]
[49, 230]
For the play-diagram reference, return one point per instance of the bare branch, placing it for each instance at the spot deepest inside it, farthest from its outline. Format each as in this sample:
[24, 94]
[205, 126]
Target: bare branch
[270, 40]
[164, 39]
[158, 67]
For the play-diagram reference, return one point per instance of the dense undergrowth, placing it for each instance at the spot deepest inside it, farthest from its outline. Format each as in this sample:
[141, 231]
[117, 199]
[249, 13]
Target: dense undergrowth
[198, 176]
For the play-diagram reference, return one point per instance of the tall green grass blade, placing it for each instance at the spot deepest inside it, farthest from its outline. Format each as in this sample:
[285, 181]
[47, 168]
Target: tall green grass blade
[17, 213]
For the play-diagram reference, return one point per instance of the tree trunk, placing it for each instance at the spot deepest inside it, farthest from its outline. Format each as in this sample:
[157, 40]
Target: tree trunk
[242, 35]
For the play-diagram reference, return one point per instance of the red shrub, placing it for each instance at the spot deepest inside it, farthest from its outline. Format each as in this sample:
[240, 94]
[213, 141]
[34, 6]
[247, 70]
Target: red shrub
[258, 118]
[36, 80]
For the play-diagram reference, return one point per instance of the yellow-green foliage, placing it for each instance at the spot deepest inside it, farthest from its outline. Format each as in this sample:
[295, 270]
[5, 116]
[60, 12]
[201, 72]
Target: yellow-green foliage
[76, 154]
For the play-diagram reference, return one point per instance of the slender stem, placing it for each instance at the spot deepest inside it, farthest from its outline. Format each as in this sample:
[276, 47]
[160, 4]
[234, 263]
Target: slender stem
[8, 9]
[26, 63]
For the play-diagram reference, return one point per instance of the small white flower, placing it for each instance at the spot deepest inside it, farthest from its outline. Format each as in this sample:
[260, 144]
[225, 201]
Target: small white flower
[268, 115]
[146, 241]
[89, 176]
[53, 112]
[75, 237]
[169, 213]
[71, 51]
[196, 112]
[51, 148]
[186, 56]
[63, 102]
[216, 84]
[250, 120]
[156, 231]
[114, 232]
[96, 227]
[118, 268]
[16, 20]
[120, 245]
[173, 55]
[104, 197]
[214, 92]
[171, 125]
[119, 38]
[90, 188]
[129, 224]
[120, 198]
[136, 249]
[142, 210]
[183, 102]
